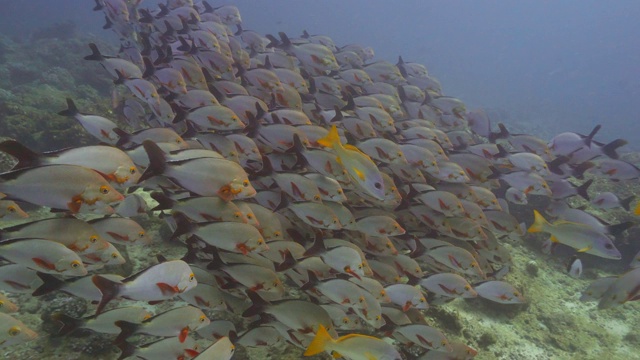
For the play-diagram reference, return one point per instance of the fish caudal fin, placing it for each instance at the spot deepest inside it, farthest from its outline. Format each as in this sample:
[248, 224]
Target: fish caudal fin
[319, 342]
[26, 157]
[332, 139]
[538, 224]
[610, 148]
[127, 350]
[108, 288]
[69, 324]
[626, 202]
[95, 53]
[71, 110]
[50, 283]
[127, 329]
[157, 160]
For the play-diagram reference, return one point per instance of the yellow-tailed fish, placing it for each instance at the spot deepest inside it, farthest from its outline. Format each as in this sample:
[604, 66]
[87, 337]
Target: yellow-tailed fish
[352, 346]
[359, 166]
[578, 236]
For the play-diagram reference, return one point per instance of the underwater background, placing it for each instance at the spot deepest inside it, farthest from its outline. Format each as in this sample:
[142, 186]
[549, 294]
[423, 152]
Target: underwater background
[539, 67]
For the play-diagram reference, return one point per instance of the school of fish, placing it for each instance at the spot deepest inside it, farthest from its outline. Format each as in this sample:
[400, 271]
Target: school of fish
[324, 198]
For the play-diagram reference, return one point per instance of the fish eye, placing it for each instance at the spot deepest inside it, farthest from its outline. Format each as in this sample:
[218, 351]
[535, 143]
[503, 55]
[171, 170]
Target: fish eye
[192, 277]
[276, 284]
[141, 234]
[443, 343]
[237, 215]
[114, 255]
[388, 245]
[361, 299]
[378, 318]
[340, 191]
[11, 209]
[467, 287]
[378, 185]
[245, 183]
[75, 264]
[260, 241]
[93, 239]
[104, 189]
[422, 300]
[202, 318]
[383, 293]
[249, 216]
[15, 330]
[345, 320]
[1, 304]
[359, 266]
[316, 197]
[473, 265]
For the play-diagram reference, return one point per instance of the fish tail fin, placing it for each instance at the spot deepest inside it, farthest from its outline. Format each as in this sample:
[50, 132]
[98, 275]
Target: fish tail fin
[578, 171]
[149, 69]
[502, 134]
[332, 139]
[589, 138]
[126, 329]
[98, 6]
[273, 42]
[617, 229]
[539, 223]
[127, 349]
[157, 160]
[164, 202]
[626, 202]
[121, 77]
[582, 189]
[320, 342]
[257, 304]
[502, 152]
[69, 324]
[26, 157]
[288, 261]
[50, 283]
[125, 137]
[554, 165]
[71, 110]
[610, 148]
[285, 40]
[95, 53]
[108, 288]
[183, 225]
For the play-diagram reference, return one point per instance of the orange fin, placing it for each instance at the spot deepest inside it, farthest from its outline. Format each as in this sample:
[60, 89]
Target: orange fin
[167, 289]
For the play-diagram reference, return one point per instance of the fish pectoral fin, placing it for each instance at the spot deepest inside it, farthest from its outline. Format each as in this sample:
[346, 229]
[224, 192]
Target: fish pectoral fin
[44, 264]
[183, 334]
[167, 289]
[585, 249]
[359, 173]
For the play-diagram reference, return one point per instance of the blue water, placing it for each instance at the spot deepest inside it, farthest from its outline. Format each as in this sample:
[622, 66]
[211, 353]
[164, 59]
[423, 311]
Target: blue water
[565, 65]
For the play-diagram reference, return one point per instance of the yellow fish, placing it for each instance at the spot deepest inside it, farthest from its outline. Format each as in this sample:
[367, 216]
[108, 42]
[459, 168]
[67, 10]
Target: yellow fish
[352, 346]
[359, 166]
